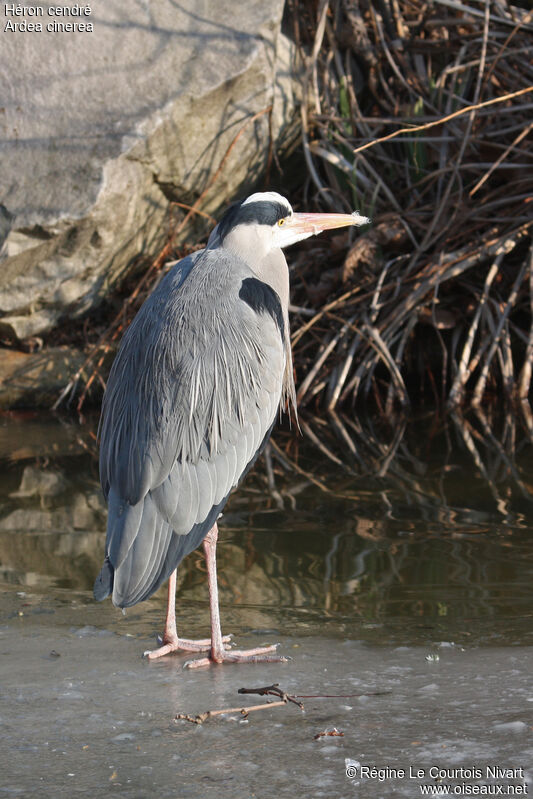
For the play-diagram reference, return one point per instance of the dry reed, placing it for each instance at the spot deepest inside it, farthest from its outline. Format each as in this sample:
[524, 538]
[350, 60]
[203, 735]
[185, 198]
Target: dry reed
[419, 115]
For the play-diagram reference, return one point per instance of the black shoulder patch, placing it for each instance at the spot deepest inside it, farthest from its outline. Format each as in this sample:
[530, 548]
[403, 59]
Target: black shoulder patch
[263, 299]
[261, 212]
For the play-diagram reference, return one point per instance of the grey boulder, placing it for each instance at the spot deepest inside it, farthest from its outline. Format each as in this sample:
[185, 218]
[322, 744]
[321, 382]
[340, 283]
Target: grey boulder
[102, 129]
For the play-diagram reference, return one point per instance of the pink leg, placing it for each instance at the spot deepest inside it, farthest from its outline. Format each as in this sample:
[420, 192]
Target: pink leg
[171, 642]
[219, 654]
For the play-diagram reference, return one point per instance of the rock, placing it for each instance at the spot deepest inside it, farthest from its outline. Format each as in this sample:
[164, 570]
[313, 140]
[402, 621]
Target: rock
[102, 128]
[36, 379]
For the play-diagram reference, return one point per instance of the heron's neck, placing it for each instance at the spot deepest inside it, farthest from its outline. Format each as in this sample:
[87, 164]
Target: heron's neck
[270, 266]
[273, 270]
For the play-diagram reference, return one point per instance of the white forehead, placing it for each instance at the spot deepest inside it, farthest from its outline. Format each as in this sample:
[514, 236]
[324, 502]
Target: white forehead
[269, 197]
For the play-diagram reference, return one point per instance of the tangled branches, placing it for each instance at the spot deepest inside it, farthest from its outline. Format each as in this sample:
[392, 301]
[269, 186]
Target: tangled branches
[418, 114]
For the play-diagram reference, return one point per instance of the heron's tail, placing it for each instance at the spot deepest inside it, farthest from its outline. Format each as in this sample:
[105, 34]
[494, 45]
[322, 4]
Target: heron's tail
[137, 543]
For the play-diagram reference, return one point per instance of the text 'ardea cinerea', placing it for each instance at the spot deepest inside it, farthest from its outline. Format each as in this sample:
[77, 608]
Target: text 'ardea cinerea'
[190, 402]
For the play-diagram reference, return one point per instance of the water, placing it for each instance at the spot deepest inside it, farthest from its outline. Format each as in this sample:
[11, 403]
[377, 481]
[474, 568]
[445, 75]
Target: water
[411, 578]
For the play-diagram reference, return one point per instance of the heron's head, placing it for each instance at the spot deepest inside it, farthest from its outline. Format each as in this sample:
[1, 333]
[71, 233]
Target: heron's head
[265, 221]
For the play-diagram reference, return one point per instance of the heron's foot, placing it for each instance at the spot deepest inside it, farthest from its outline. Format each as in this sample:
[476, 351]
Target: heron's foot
[263, 654]
[169, 644]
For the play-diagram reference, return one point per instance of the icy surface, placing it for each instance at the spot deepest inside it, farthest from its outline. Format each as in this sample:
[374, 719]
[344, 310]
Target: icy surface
[83, 713]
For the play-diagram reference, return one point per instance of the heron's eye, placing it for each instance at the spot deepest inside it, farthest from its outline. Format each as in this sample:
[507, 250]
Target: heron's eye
[281, 222]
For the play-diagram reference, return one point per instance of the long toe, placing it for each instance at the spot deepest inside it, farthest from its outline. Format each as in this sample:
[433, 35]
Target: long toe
[263, 654]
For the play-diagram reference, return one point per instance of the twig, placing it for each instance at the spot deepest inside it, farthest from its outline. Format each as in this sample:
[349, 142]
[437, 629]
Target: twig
[459, 112]
[312, 479]
[318, 443]
[343, 696]
[463, 371]
[334, 732]
[272, 690]
[482, 380]
[268, 690]
[306, 382]
[502, 158]
[209, 714]
[524, 381]
[475, 13]
[197, 211]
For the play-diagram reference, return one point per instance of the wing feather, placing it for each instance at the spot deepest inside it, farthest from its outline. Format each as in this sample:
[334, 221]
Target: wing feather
[221, 477]
[183, 517]
[205, 492]
[257, 429]
[232, 476]
[195, 493]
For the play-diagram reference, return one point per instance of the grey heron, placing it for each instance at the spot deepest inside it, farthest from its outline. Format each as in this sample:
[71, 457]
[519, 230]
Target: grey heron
[190, 403]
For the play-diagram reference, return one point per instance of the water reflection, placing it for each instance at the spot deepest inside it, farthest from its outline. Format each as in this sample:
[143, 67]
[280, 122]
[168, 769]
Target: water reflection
[428, 524]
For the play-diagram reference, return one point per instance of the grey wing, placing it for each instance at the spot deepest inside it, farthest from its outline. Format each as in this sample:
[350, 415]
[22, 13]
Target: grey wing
[189, 406]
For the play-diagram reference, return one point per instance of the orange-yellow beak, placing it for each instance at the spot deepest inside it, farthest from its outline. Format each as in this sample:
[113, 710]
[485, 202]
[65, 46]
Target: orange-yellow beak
[300, 226]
